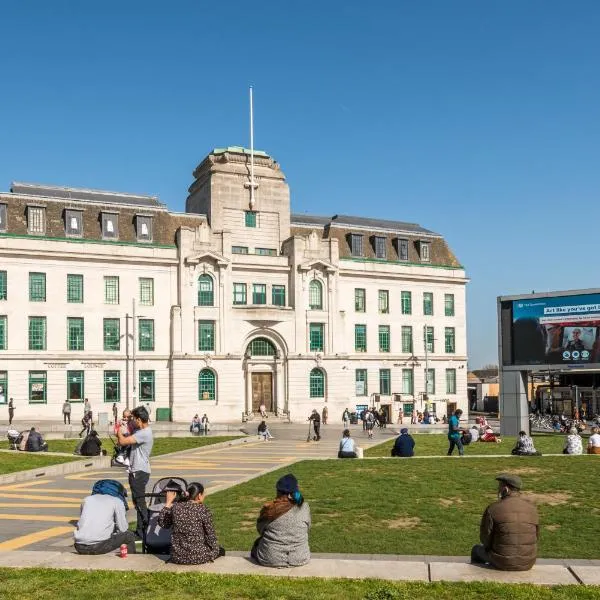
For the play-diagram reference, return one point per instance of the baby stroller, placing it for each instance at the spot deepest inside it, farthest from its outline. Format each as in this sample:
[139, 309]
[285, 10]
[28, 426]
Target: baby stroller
[155, 539]
[14, 439]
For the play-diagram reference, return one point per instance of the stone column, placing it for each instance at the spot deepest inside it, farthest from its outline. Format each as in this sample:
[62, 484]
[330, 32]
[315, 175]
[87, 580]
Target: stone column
[279, 387]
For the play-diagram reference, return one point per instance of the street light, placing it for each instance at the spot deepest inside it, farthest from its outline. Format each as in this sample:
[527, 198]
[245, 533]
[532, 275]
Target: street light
[133, 318]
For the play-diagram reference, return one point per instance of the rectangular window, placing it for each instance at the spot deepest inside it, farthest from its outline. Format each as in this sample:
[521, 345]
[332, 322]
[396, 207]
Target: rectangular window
[75, 333]
[75, 288]
[407, 339]
[428, 340]
[146, 291]
[380, 249]
[406, 302]
[250, 218]
[449, 340]
[239, 293]
[112, 386]
[316, 335]
[384, 338]
[360, 338]
[385, 385]
[265, 251]
[430, 381]
[73, 223]
[146, 334]
[75, 381]
[402, 249]
[37, 333]
[259, 293]
[3, 387]
[3, 285]
[384, 302]
[239, 249]
[408, 378]
[143, 228]
[146, 386]
[112, 334]
[36, 220]
[110, 226]
[424, 250]
[449, 305]
[278, 295]
[206, 336]
[37, 387]
[360, 382]
[450, 381]
[356, 244]
[360, 300]
[3, 224]
[37, 287]
[111, 289]
[3, 332]
[427, 303]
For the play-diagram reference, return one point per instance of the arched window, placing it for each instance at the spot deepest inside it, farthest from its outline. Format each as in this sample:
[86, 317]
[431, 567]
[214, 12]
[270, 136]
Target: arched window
[206, 295]
[207, 385]
[262, 347]
[315, 295]
[317, 383]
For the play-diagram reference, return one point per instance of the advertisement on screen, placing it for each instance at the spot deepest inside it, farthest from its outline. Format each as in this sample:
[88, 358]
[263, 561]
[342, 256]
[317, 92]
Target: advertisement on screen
[557, 330]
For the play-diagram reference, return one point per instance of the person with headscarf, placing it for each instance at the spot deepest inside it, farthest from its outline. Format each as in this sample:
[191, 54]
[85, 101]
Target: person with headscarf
[283, 526]
[103, 524]
[573, 443]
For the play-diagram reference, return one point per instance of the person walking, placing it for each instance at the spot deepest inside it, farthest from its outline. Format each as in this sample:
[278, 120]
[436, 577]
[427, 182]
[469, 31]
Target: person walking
[87, 407]
[11, 411]
[324, 415]
[316, 422]
[346, 418]
[454, 433]
[115, 412]
[86, 424]
[66, 411]
[400, 417]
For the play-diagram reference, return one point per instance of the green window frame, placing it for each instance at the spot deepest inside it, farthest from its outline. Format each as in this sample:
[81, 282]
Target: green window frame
[38, 387]
[449, 340]
[3, 332]
[146, 386]
[4, 387]
[259, 293]
[207, 385]
[360, 338]
[75, 386]
[146, 335]
[450, 381]
[206, 295]
[278, 295]
[360, 382]
[206, 336]
[74, 288]
[112, 386]
[385, 382]
[3, 285]
[317, 383]
[316, 337]
[261, 347]
[265, 251]
[449, 305]
[250, 218]
[428, 339]
[360, 300]
[239, 249]
[240, 293]
[146, 291]
[430, 381]
[428, 304]
[408, 382]
[406, 302]
[37, 333]
[384, 338]
[112, 334]
[315, 295]
[75, 333]
[37, 287]
[407, 339]
[111, 289]
[384, 302]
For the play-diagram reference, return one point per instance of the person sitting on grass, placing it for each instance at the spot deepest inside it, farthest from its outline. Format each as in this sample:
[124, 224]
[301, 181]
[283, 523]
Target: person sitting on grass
[92, 445]
[347, 446]
[594, 441]
[524, 446]
[474, 431]
[35, 442]
[404, 446]
[490, 436]
[263, 432]
[573, 443]
[283, 526]
[194, 540]
[103, 525]
[465, 437]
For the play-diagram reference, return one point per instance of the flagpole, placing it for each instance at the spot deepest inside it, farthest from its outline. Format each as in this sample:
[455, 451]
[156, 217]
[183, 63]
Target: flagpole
[251, 150]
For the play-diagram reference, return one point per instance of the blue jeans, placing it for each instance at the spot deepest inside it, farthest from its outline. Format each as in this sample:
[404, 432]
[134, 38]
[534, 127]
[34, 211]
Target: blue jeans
[458, 443]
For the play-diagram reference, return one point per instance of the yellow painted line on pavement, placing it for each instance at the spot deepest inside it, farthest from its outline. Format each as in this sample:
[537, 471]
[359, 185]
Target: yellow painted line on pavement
[65, 504]
[49, 498]
[48, 518]
[74, 492]
[20, 486]
[201, 467]
[32, 538]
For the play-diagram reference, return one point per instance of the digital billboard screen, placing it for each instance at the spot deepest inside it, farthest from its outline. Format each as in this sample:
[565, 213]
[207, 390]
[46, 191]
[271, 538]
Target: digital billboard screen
[556, 330]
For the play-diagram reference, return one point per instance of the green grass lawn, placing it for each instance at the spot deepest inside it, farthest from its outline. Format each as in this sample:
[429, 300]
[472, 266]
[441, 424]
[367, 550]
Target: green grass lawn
[48, 584]
[421, 506]
[22, 461]
[431, 444]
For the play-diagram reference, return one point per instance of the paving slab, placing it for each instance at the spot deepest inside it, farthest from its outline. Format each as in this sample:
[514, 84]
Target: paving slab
[587, 575]
[539, 575]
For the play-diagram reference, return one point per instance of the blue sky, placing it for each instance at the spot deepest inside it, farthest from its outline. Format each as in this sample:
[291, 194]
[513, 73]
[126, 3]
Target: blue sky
[478, 120]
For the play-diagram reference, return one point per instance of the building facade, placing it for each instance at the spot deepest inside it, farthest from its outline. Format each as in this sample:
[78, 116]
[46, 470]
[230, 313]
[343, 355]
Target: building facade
[233, 304]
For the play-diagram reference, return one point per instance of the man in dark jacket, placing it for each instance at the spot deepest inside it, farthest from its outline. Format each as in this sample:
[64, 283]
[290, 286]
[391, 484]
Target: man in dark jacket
[35, 442]
[404, 444]
[92, 445]
[509, 529]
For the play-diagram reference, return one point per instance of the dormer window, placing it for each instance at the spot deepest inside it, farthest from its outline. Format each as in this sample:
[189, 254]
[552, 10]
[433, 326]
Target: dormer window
[380, 249]
[424, 248]
[402, 249]
[73, 223]
[110, 226]
[143, 226]
[3, 226]
[36, 220]
[356, 244]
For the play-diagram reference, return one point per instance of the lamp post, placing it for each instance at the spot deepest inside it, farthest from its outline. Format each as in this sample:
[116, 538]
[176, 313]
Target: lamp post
[133, 318]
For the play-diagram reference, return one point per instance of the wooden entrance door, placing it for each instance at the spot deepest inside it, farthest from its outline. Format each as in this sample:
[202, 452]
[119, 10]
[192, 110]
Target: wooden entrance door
[262, 391]
[451, 408]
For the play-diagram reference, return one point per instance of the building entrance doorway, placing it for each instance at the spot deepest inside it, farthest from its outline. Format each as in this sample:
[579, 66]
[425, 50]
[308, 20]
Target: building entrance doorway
[262, 391]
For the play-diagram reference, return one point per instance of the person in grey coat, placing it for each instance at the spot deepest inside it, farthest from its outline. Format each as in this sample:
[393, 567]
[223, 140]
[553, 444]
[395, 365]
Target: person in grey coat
[283, 526]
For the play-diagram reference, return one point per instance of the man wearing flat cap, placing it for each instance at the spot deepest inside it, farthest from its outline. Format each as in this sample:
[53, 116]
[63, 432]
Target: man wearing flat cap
[509, 529]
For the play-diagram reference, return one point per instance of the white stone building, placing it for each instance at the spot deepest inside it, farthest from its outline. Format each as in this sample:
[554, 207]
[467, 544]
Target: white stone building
[112, 297]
